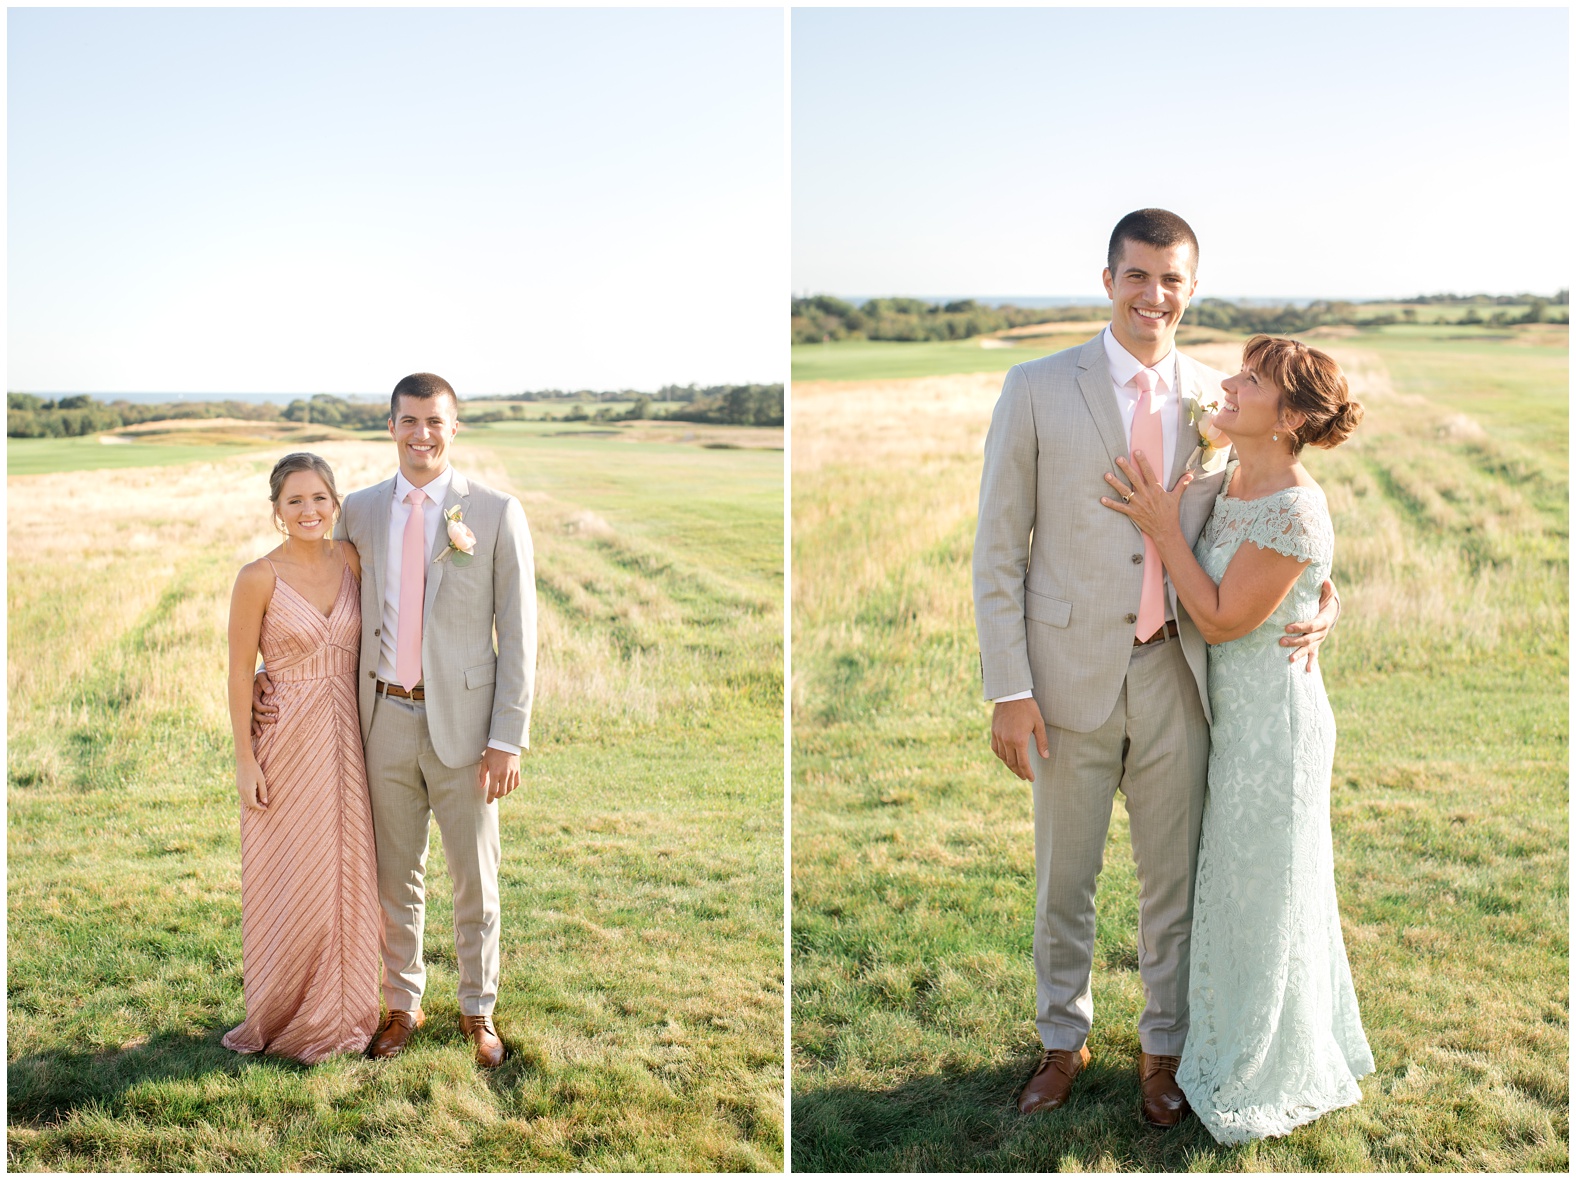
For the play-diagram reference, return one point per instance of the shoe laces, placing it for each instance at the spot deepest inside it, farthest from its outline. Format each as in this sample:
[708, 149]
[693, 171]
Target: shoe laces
[1066, 1060]
[1158, 1062]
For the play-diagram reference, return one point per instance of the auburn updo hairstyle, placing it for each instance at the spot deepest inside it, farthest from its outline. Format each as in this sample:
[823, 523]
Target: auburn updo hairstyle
[1312, 384]
[288, 466]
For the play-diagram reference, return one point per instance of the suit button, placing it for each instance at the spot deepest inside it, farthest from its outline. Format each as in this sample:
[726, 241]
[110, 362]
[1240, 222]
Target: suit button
[377, 631]
[374, 673]
[1138, 559]
[1131, 618]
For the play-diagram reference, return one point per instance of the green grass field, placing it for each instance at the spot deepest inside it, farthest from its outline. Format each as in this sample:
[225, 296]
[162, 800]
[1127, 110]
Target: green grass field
[37, 456]
[1446, 313]
[642, 987]
[869, 360]
[1427, 357]
[913, 852]
[1516, 382]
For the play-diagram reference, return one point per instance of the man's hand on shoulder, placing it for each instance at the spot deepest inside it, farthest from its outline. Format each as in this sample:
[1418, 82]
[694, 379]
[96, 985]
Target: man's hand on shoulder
[1012, 724]
[497, 773]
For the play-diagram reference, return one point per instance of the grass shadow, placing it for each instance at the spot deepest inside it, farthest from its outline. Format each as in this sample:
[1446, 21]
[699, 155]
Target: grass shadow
[968, 1121]
[46, 1087]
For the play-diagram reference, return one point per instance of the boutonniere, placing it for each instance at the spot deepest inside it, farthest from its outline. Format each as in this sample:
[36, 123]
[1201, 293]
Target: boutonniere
[1210, 454]
[462, 542]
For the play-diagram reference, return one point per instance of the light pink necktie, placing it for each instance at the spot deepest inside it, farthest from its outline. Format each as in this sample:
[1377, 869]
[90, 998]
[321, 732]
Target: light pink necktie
[412, 594]
[1148, 437]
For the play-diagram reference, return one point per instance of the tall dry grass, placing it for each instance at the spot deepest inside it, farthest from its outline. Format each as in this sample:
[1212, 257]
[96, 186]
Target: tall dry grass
[91, 556]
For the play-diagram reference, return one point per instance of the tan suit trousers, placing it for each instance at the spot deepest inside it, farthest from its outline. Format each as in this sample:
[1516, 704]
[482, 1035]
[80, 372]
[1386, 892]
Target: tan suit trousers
[409, 784]
[1154, 748]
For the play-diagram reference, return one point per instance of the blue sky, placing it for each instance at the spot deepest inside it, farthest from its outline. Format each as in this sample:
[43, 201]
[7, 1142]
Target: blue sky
[1316, 152]
[300, 200]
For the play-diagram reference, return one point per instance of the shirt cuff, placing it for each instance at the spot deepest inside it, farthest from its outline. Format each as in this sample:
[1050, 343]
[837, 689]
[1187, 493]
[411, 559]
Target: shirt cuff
[504, 746]
[1017, 696]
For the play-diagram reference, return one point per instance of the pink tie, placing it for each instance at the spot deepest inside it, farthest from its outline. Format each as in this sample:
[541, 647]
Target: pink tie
[1147, 437]
[412, 594]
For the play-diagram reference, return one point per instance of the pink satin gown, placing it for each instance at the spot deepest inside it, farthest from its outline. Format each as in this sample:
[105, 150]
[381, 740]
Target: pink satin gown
[309, 908]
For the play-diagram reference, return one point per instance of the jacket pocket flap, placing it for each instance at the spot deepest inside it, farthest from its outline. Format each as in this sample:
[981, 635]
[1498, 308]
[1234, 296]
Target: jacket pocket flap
[480, 675]
[1046, 610]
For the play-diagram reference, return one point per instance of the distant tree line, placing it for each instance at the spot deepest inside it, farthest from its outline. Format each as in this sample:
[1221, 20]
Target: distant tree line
[31, 416]
[820, 318]
[733, 405]
[580, 395]
[716, 404]
[1247, 318]
[1561, 298]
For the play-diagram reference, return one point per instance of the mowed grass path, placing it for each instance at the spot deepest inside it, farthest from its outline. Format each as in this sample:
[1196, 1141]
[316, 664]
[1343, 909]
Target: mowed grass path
[913, 848]
[642, 990]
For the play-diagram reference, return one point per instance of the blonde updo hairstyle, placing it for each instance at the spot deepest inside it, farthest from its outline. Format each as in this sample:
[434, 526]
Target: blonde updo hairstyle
[1312, 384]
[288, 466]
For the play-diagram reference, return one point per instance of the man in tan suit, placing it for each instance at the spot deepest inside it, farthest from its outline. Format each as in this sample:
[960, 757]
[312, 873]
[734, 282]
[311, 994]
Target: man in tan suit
[446, 564]
[1098, 678]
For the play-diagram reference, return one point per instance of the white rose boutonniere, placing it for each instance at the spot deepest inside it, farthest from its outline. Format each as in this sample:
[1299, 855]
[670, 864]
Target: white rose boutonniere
[1210, 454]
[462, 542]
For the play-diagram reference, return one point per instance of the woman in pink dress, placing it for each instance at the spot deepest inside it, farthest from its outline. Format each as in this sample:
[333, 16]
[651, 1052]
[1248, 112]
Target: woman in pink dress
[309, 916]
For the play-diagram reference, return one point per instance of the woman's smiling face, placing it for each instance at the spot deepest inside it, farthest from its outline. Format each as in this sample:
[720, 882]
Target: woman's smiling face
[1250, 406]
[306, 506]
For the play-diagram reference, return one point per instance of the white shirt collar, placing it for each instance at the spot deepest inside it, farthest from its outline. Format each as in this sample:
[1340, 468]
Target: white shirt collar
[1124, 365]
[437, 491]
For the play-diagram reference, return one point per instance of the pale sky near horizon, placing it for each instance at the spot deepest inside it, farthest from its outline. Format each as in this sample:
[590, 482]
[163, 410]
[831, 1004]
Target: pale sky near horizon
[323, 200]
[1357, 153]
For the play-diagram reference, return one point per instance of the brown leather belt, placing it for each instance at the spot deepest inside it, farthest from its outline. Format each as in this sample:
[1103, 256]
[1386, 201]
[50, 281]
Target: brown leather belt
[419, 693]
[1170, 629]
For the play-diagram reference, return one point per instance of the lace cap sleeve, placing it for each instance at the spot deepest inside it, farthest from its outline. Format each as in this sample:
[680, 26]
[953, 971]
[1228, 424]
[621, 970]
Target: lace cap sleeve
[1295, 524]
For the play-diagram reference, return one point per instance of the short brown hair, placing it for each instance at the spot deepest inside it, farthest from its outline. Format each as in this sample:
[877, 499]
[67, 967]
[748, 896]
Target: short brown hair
[422, 386]
[1312, 384]
[1153, 227]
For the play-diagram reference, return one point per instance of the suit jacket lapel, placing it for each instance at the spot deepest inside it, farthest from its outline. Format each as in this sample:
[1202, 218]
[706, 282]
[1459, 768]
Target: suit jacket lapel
[1188, 387]
[1094, 380]
[459, 489]
[383, 501]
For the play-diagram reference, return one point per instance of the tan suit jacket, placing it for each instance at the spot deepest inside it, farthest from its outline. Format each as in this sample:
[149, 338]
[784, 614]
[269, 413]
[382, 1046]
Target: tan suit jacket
[1057, 575]
[475, 691]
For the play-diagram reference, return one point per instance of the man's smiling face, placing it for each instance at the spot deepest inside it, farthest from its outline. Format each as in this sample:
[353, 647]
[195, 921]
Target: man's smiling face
[423, 430]
[1149, 292]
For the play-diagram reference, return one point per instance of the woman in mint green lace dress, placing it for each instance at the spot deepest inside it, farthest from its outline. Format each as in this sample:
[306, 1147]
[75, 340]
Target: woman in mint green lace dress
[1274, 1039]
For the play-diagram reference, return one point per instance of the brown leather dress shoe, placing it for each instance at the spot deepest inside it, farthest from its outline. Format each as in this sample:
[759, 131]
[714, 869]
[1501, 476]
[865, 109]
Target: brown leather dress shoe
[489, 1049]
[1164, 1103]
[1053, 1079]
[396, 1029]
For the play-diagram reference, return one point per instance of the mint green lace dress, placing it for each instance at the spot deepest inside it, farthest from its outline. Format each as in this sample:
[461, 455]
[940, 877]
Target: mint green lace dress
[1273, 1037]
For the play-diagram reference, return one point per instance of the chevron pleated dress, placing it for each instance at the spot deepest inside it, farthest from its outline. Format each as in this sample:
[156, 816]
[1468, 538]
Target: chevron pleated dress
[309, 908]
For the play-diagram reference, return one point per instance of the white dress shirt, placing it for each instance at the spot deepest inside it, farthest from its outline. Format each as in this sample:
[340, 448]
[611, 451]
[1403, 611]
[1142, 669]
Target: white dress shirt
[1124, 367]
[432, 517]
